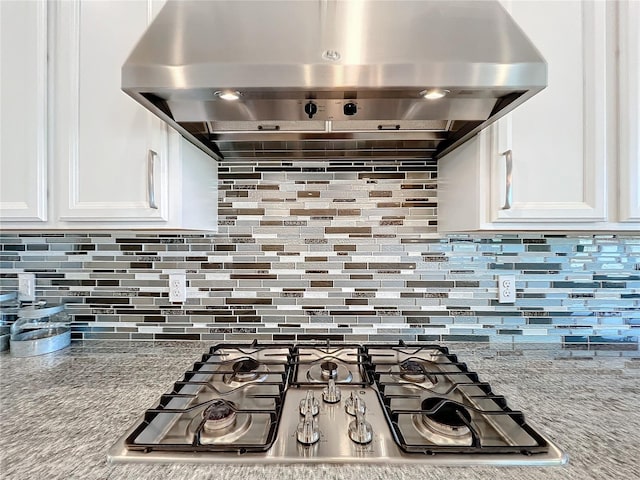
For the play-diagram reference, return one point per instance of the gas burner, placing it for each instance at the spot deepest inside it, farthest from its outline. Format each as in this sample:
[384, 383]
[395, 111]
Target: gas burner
[245, 371]
[220, 424]
[327, 370]
[219, 416]
[446, 425]
[413, 371]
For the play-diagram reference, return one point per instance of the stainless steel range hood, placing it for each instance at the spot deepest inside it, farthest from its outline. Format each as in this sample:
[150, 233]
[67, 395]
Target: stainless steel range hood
[350, 71]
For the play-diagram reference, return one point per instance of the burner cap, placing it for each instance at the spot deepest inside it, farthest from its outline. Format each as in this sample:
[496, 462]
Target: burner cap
[219, 415]
[218, 410]
[447, 413]
[245, 370]
[412, 371]
[329, 369]
[245, 366]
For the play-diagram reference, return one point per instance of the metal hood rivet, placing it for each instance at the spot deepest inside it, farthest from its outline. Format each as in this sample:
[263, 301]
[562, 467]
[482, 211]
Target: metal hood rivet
[331, 55]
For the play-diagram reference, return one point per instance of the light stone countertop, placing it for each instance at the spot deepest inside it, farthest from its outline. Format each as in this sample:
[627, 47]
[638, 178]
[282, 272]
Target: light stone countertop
[61, 412]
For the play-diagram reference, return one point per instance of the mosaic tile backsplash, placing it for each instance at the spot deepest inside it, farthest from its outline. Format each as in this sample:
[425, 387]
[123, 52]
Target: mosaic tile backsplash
[335, 250]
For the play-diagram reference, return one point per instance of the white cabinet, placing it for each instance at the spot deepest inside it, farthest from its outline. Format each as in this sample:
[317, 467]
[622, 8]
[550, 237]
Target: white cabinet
[628, 114]
[119, 165]
[23, 112]
[112, 164]
[104, 149]
[560, 140]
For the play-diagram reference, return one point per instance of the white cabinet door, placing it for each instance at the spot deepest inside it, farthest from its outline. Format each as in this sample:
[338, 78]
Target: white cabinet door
[111, 155]
[628, 116]
[558, 139]
[23, 112]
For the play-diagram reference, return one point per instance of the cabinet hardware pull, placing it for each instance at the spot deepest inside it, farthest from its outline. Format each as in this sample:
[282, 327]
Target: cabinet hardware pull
[151, 178]
[509, 180]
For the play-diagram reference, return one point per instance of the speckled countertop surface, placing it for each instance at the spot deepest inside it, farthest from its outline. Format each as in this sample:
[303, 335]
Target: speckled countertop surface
[61, 412]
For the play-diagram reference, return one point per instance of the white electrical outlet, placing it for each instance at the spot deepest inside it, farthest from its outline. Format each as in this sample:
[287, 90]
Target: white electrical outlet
[27, 287]
[177, 287]
[506, 288]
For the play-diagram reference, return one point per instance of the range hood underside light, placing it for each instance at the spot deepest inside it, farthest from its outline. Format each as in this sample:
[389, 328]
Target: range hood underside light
[434, 93]
[228, 95]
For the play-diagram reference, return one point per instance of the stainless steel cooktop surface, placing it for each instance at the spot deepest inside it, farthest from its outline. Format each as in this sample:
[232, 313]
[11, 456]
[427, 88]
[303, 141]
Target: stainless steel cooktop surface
[321, 403]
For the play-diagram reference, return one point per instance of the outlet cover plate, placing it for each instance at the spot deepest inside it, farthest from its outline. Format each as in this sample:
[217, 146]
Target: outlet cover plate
[506, 288]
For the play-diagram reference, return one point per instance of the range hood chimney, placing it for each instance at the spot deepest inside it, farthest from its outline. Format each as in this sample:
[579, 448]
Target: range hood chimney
[227, 73]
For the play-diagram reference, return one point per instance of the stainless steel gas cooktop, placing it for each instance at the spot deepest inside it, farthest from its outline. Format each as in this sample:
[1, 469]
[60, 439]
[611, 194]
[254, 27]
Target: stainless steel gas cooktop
[313, 403]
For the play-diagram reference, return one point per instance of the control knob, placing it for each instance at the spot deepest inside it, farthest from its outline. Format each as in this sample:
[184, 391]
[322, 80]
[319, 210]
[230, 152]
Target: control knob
[309, 405]
[307, 432]
[350, 109]
[331, 393]
[354, 404]
[310, 109]
[360, 430]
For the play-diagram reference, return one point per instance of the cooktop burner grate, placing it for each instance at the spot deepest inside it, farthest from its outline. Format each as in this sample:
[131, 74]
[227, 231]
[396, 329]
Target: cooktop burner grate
[314, 364]
[230, 401]
[442, 407]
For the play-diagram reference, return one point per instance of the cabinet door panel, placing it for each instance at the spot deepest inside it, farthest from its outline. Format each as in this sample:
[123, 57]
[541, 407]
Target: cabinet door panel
[104, 137]
[23, 116]
[558, 138]
[629, 116]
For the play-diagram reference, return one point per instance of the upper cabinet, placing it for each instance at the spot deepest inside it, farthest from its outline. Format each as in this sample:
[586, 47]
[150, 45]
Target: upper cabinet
[628, 116]
[112, 164]
[557, 141]
[551, 163]
[23, 115]
[112, 153]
